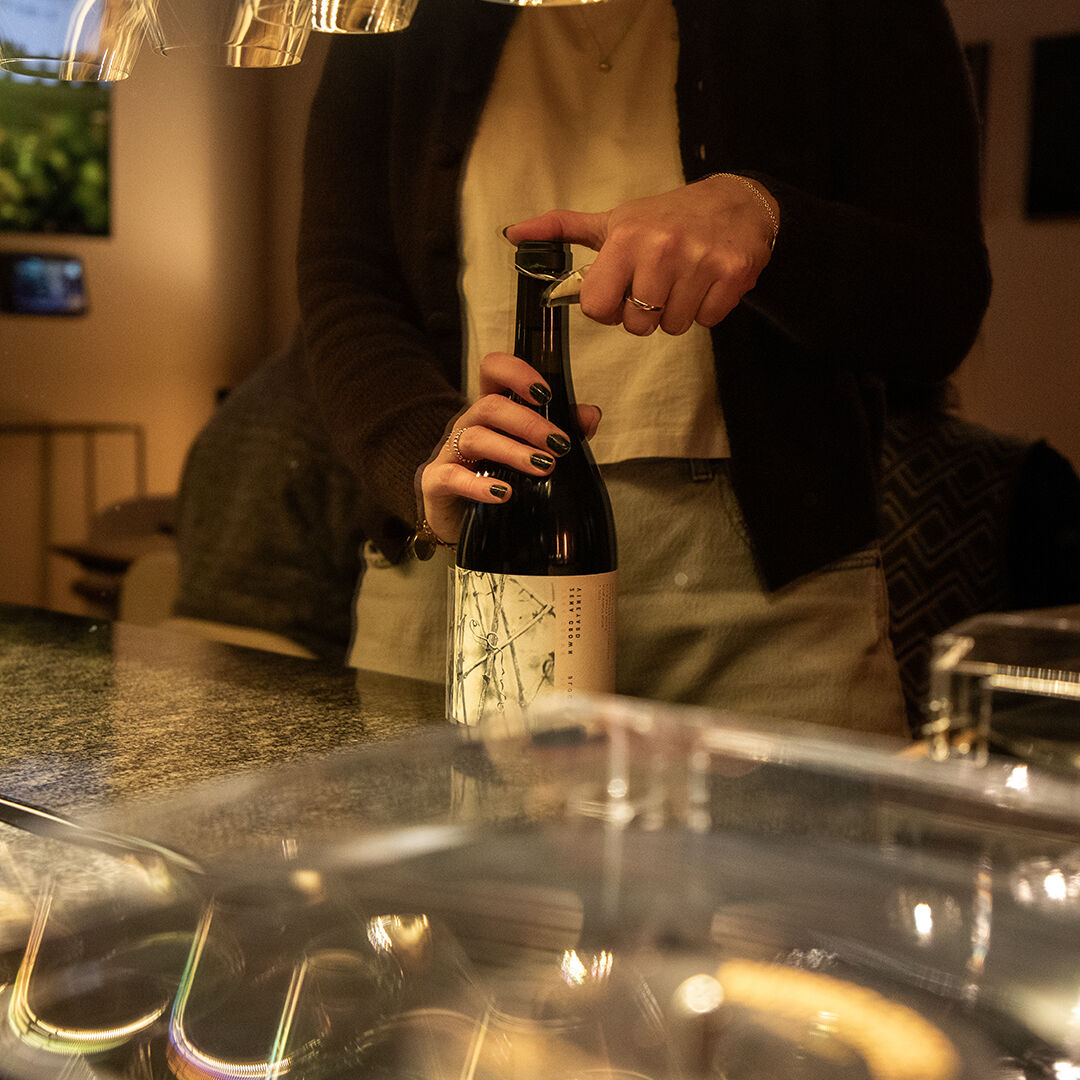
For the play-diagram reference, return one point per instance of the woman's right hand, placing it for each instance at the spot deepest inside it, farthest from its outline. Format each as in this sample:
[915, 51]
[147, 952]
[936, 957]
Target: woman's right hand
[498, 429]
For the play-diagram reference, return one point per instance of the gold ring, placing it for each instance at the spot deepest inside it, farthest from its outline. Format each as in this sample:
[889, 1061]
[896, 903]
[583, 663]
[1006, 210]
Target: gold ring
[641, 304]
[455, 445]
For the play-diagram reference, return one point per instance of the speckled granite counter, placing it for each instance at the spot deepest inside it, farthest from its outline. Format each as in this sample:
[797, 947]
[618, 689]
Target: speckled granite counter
[92, 712]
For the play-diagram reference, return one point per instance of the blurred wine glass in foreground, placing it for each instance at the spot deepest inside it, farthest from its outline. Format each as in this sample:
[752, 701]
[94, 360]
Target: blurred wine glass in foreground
[588, 1015]
[103, 956]
[279, 985]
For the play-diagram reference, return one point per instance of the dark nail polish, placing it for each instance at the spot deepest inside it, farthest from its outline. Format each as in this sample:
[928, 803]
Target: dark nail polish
[540, 393]
[498, 490]
[542, 461]
[558, 444]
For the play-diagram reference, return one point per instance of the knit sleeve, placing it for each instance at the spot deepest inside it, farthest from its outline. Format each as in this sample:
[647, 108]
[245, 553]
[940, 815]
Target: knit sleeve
[383, 394]
[887, 270]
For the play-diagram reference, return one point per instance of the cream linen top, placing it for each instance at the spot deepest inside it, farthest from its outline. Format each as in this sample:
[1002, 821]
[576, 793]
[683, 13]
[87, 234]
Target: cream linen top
[589, 141]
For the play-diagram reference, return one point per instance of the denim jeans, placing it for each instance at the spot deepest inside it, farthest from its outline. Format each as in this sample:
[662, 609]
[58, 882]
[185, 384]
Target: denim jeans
[695, 625]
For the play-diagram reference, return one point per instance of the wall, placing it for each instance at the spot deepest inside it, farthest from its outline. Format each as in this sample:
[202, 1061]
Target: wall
[290, 102]
[1024, 374]
[188, 294]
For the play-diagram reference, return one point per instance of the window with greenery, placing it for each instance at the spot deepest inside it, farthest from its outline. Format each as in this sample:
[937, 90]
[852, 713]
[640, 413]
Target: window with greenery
[54, 156]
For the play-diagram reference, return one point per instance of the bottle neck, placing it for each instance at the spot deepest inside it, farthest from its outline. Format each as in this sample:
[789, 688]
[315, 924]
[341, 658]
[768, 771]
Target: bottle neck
[541, 338]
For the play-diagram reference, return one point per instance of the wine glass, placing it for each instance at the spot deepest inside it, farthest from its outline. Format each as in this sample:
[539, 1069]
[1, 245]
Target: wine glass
[279, 983]
[546, 3]
[103, 955]
[585, 1014]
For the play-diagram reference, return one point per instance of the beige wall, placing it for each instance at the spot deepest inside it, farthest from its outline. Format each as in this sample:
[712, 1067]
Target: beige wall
[1024, 374]
[188, 294]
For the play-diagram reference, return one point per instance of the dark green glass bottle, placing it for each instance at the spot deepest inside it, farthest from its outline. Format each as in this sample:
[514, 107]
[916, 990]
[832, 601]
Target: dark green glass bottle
[533, 597]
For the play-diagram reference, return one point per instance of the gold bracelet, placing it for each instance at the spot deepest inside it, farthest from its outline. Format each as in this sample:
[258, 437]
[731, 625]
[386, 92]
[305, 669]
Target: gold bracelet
[423, 542]
[757, 192]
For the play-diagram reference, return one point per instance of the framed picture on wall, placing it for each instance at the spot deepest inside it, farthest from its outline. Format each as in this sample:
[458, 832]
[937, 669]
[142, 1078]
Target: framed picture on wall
[1053, 187]
[54, 156]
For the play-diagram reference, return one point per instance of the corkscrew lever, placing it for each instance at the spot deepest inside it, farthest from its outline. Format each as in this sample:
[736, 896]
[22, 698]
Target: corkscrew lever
[566, 288]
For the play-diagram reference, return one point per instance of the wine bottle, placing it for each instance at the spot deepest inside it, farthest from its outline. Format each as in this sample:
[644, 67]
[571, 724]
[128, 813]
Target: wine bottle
[533, 592]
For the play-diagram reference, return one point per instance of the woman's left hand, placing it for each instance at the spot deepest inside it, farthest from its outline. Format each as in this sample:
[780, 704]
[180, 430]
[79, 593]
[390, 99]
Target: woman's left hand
[497, 429]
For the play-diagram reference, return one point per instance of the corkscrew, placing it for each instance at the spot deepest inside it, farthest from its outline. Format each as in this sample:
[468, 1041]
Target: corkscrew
[565, 289]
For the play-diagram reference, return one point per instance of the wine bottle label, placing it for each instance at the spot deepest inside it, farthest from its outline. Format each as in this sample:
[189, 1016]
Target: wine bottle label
[516, 637]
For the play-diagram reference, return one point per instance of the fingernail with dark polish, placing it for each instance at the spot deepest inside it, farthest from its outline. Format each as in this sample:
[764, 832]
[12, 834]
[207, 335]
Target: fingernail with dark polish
[541, 461]
[498, 490]
[540, 393]
[558, 444]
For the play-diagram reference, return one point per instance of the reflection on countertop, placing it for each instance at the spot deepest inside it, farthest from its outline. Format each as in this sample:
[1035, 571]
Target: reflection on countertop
[93, 712]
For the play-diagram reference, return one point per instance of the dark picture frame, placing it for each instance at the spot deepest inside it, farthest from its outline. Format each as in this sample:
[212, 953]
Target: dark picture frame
[1053, 181]
[54, 156]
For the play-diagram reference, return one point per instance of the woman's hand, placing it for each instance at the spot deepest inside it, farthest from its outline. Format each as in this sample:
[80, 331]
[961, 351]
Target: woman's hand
[689, 254]
[497, 429]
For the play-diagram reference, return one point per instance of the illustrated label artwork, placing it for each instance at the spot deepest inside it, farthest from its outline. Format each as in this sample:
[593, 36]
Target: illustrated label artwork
[516, 637]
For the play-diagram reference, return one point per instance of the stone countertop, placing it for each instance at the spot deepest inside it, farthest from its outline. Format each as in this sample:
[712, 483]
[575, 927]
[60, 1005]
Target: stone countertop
[93, 713]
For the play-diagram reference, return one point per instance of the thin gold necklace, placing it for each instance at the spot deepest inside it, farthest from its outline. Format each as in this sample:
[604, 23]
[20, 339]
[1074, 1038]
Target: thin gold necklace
[604, 57]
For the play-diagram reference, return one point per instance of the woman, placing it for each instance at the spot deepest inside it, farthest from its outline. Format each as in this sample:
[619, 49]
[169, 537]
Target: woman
[842, 244]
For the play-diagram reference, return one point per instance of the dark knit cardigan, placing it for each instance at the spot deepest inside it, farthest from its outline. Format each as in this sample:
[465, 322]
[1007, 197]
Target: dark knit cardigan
[857, 116]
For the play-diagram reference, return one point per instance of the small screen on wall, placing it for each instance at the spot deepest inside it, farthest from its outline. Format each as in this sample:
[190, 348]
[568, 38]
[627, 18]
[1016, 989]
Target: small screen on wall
[42, 284]
[54, 156]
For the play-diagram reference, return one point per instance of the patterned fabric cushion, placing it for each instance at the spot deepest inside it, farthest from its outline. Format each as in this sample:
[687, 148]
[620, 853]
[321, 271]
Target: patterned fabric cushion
[973, 521]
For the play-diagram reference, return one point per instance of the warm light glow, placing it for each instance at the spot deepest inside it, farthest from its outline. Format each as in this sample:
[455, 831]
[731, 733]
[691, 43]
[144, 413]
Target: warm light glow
[617, 788]
[1039, 881]
[1018, 778]
[601, 966]
[700, 994]
[379, 935]
[1055, 886]
[387, 932]
[827, 1023]
[924, 920]
[308, 882]
[573, 970]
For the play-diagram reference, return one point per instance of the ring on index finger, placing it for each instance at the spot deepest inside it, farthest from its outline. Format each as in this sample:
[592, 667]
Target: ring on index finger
[643, 305]
[455, 445]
